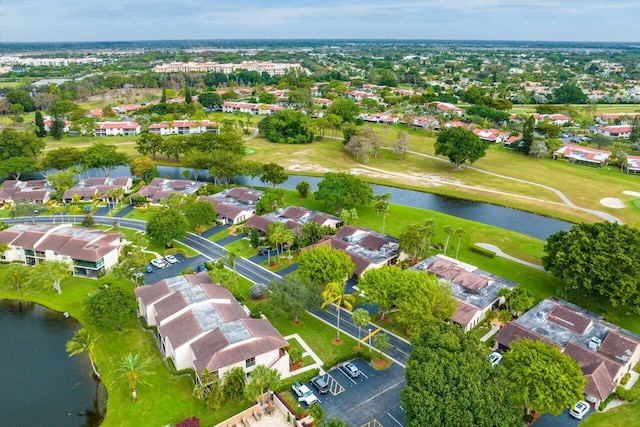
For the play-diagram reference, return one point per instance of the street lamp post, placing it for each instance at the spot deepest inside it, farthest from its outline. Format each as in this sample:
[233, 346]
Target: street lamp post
[369, 340]
[35, 213]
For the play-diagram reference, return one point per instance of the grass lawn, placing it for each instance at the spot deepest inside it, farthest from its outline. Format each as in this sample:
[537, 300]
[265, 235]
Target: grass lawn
[625, 415]
[143, 214]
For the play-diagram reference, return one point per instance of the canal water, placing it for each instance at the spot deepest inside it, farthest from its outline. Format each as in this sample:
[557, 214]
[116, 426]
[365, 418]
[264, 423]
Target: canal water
[40, 385]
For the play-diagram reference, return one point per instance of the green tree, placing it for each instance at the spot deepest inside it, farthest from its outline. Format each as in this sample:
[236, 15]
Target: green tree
[270, 201]
[597, 261]
[104, 157]
[261, 380]
[318, 414]
[551, 130]
[82, 342]
[166, 225]
[339, 190]
[251, 169]
[209, 390]
[460, 233]
[381, 342]
[39, 121]
[111, 307]
[360, 317]
[346, 109]
[539, 149]
[413, 240]
[21, 97]
[450, 383]
[49, 274]
[381, 206]
[273, 174]
[527, 135]
[144, 168]
[132, 371]
[199, 213]
[349, 216]
[335, 422]
[287, 126]
[569, 93]
[14, 167]
[448, 231]
[234, 382]
[149, 144]
[14, 143]
[303, 188]
[383, 287]
[211, 100]
[293, 295]
[323, 264]
[518, 300]
[61, 158]
[63, 180]
[335, 293]
[460, 145]
[541, 377]
[196, 160]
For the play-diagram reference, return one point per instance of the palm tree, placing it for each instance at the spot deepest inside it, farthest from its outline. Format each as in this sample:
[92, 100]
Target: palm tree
[460, 234]
[361, 318]
[448, 230]
[231, 258]
[382, 206]
[335, 292]
[429, 231]
[81, 342]
[131, 369]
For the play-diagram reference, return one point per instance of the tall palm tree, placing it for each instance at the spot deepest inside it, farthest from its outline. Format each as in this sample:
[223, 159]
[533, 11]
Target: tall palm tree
[335, 292]
[82, 341]
[132, 369]
[429, 231]
[448, 230]
[460, 234]
[361, 318]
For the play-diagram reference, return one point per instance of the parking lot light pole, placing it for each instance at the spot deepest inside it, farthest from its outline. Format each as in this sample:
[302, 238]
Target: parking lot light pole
[369, 340]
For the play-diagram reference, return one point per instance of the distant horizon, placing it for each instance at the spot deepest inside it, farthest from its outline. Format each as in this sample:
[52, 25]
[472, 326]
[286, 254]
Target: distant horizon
[78, 21]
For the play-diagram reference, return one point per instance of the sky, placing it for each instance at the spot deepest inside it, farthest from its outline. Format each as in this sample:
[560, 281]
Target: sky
[118, 20]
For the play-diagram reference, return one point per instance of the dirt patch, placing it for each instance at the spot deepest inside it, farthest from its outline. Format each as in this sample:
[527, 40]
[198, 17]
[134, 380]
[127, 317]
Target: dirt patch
[336, 341]
[613, 202]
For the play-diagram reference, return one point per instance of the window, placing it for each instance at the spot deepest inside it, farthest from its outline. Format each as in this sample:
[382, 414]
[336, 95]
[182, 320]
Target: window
[250, 362]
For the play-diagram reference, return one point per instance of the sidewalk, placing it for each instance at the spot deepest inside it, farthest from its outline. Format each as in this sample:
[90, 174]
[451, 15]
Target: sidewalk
[501, 254]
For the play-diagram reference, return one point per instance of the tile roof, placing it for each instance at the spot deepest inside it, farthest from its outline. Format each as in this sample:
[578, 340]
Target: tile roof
[569, 319]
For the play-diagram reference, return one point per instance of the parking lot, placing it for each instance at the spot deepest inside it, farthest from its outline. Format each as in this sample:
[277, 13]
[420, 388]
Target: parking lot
[562, 420]
[372, 399]
[173, 269]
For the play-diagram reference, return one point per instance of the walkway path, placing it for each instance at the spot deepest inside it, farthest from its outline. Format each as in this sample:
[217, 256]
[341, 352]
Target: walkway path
[558, 193]
[501, 254]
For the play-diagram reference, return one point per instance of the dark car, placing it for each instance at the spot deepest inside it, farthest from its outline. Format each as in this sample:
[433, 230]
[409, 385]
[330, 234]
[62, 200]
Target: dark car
[351, 369]
[320, 384]
[264, 250]
[200, 268]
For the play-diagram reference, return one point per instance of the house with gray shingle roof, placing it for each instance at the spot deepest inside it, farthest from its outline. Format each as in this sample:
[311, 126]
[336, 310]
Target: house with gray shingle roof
[604, 351]
[200, 325]
[235, 205]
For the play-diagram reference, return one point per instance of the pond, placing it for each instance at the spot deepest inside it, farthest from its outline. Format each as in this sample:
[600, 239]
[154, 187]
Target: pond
[40, 384]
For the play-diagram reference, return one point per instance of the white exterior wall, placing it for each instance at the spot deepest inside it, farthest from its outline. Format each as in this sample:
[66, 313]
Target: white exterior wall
[111, 259]
[160, 131]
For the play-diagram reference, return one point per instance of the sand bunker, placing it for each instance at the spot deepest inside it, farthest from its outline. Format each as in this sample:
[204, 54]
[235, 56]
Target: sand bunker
[631, 193]
[613, 202]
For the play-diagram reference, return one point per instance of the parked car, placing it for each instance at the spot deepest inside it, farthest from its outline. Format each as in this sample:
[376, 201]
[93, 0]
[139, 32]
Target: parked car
[159, 263]
[201, 267]
[304, 394]
[264, 250]
[495, 358]
[579, 410]
[350, 369]
[320, 384]
[149, 269]
[171, 259]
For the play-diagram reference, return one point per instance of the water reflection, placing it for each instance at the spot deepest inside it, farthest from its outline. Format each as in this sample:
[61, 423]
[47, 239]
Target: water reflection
[40, 384]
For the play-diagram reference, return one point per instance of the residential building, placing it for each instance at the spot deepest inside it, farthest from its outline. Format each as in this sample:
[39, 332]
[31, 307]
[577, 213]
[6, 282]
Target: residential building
[384, 118]
[604, 351]
[475, 290]
[271, 68]
[633, 164]
[615, 131]
[294, 217]
[447, 109]
[617, 118]
[366, 248]
[492, 135]
[160, 188]
[583, 155]
[250, 108]
[200, 325]
[89, 252]
[117, 129]
[97, 188]
[36, 191]
[235, 205]
[183, 127]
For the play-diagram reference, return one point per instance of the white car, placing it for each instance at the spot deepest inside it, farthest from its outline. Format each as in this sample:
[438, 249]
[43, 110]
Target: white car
[580, 410]
[171, 259]
[158, 263]
[495, 358]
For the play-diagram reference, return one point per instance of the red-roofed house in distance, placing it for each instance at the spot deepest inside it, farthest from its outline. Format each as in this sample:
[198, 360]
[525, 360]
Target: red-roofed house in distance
[583, 155]
[183, 127]
[446, 109]
[615, 131]
[117, 129]
[234, 205]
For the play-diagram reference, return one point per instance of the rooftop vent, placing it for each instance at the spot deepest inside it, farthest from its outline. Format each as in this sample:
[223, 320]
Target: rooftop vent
[540, 316]
[595, 343]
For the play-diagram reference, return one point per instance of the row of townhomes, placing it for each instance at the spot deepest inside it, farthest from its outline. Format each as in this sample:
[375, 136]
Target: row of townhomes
[88, 252]
[579, 154]
[604, 351]
[200, 325]
[234, 205]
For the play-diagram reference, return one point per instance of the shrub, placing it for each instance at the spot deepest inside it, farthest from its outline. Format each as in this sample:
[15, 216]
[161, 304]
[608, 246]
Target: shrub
[628, 395]
[189, 422]
[210, 265]
[483, 251]
[88, 221]
[258, 291]
[295, 354]
[188, 270]
[625, 378]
